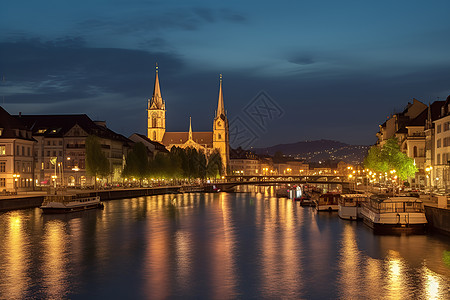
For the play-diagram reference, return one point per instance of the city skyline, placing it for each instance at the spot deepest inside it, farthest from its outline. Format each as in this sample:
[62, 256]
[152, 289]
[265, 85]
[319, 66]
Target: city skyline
[336, 71]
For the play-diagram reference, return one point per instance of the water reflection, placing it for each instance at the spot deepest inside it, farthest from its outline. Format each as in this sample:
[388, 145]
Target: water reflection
[213, 246]
[349, 264]
[55, 260]
[14, 261]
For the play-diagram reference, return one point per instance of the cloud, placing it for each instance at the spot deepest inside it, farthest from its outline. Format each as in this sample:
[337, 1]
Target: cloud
[302, 59]
[190, 19]
[64, 69]
[205, 13]
[232, 16]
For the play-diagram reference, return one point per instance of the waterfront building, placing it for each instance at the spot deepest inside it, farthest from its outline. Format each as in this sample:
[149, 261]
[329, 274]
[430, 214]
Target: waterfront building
[433, 113]
[422, 132]
[16, 154]
[244, 162]
[439, 175]
[291, 167]
[59, 154]
[202, 141]
[396, 123]
[409, 129]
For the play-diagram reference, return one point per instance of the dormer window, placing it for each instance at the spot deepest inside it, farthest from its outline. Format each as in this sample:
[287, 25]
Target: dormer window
[41, 131]
[1, 131]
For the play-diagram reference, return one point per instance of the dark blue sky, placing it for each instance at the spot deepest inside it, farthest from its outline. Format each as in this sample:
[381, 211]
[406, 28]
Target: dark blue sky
[333, 69]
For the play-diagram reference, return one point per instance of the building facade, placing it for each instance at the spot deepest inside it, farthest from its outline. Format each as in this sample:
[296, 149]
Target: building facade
[439, 173]
[60, 151]
[202, 141]
[16, 155]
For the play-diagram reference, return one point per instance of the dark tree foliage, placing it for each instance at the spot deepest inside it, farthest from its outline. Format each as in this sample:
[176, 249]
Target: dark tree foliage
[137, 163]
[187, 163]
[214, 168]
[97, 163]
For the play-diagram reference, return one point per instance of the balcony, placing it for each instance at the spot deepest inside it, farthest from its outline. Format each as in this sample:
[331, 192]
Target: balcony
[416, 136]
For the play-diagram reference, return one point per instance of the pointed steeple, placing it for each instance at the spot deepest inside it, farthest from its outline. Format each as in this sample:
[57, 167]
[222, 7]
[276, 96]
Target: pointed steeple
[190, 129]
[220, 107]
[157, 101]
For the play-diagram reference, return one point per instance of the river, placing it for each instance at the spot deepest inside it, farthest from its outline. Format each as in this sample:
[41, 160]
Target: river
[213, 246]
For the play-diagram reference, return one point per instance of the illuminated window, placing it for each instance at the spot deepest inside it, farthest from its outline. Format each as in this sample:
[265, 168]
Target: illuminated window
[2, 150]
[41, 130]
[1, 131]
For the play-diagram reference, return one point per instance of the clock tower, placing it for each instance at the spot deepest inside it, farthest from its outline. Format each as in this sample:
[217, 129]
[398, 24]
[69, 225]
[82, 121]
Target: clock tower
[156, 114]
[220, 131]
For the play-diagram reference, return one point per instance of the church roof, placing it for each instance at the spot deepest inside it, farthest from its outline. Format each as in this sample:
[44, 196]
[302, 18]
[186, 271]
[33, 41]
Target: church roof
[220, 107]
[156, 101]
[202, 138]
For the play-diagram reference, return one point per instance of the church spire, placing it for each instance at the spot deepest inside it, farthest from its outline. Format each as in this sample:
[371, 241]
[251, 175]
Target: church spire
[220, 106]
[157, 100]
[190, 129]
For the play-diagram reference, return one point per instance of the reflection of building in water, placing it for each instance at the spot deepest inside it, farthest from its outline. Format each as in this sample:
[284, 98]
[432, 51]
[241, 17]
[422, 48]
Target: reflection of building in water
[15, 258]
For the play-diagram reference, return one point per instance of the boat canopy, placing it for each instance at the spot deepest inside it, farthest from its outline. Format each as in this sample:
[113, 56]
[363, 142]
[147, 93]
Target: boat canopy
[395, 204]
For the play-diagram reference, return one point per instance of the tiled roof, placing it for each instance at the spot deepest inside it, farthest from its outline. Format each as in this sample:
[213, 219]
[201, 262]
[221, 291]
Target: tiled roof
[202, 138]
[423, 116]
[11, 127]
[59, 125]
[158, 146]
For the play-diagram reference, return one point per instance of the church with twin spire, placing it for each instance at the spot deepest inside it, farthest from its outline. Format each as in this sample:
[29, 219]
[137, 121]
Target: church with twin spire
[206, 141]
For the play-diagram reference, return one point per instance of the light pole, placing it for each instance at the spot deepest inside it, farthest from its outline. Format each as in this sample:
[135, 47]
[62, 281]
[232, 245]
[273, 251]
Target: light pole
[16, 179]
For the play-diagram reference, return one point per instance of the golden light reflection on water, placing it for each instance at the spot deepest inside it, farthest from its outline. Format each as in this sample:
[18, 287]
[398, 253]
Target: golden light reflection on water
[396, 287]
[222, 247]
[214, 243]
[156, 261]
[349, 264]
[183, 249]
[55, 260]
[15, 259]
[280, 253]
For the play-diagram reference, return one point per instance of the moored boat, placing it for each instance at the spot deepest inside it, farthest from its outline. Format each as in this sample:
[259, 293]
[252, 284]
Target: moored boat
[69, 203]
[327, 202]
[349, 206]
[394, 215]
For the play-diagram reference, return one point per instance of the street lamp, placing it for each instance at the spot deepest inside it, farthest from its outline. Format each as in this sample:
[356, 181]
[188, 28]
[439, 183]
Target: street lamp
[16, 179]
[428, 170]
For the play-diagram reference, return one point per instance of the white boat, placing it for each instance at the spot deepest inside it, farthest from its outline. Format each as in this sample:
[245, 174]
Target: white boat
[327, 202]
[69, 203]
[393, 215]
[349, 206]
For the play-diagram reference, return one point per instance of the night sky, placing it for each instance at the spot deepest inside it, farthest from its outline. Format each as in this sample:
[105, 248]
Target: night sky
[328, 69]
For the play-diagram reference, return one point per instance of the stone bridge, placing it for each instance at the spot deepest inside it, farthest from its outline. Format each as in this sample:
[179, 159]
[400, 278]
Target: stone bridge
[235, 180]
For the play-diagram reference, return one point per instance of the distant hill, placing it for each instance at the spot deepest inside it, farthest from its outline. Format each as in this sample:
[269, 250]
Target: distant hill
[320, 150]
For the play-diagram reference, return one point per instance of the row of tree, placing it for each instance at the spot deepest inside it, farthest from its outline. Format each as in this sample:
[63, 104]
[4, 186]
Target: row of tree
[179, 163]
[390, 157]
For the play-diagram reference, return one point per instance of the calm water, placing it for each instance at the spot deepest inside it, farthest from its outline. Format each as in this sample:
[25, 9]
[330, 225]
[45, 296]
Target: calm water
[213, 246]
